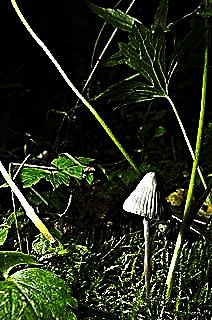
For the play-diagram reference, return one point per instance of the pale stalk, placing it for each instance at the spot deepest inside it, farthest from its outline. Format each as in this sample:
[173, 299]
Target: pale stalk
[25, 204]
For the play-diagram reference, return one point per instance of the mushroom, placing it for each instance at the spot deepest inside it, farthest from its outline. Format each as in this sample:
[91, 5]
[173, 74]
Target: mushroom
[146, 201]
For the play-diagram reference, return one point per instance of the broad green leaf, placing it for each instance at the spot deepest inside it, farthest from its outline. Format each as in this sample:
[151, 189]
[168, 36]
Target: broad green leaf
[114, 16]
[11, 259]
[57, 178]
[31, 176]
[71, 166]
[36, 294]
[65, 167]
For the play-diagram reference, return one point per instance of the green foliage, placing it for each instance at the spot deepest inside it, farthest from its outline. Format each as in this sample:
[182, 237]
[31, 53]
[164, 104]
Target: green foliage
[42, 247]
[106, 264]
[116, 17]
[5, 227]
[9, 260]
[65, 169]
[146, 53]
[32, 293]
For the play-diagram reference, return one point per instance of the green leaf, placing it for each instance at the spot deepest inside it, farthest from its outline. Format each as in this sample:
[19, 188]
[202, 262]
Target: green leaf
[145, 53]
[43, 247]
[129, 92]
[65, 167]
[159, 132]
[5, 227]
[71, 166]
[160, 18]
[58, 178]
[115, 17]
[31, 176]
[36, 294]
[11, 259]
[85, 161]
[114, 60]
[4, 233]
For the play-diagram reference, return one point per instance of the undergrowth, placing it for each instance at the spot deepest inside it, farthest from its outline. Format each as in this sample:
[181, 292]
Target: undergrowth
[84, 237]
[105, 268]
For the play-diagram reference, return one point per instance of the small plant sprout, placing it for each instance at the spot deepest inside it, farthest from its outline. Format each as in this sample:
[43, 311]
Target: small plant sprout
[146, 201]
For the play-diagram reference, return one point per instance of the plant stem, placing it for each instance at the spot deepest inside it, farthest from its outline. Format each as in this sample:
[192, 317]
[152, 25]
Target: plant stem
[186, 217]
[147, 264]
[186, 139]
[74, 89]
[29, 210]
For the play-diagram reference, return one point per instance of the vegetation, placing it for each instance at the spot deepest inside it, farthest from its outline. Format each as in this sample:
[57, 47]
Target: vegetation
[70, 251]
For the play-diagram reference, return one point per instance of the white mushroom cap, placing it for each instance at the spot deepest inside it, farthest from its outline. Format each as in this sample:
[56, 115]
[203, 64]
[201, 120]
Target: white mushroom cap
[146, 199]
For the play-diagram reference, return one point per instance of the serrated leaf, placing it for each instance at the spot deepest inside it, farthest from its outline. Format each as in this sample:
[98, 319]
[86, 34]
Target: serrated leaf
[114, 16]
[58, 178]
[36, 294]
[66, 167]
[147, 50]
[30, 176]
[145, 53]
[11, 259]
[71, 166]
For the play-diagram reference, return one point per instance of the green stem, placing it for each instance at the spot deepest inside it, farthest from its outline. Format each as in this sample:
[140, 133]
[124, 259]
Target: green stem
[74, 89]
[186, 218]
[186, 139]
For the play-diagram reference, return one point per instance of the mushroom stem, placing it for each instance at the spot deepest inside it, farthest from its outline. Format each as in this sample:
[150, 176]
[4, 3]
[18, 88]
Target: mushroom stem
[147, 266]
